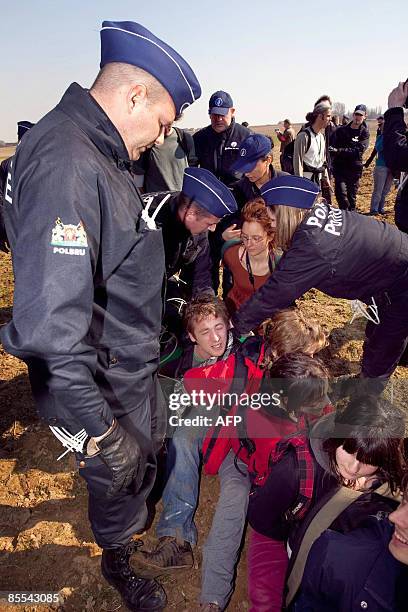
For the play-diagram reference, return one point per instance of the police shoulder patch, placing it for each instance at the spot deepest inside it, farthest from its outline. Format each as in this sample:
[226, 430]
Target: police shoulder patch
[68, 235]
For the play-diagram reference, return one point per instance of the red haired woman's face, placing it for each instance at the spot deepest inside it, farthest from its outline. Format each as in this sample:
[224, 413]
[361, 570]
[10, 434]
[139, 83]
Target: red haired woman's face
[254, 237]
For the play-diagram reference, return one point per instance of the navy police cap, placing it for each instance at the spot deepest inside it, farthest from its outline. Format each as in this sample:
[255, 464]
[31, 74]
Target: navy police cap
[131, 43]
[220, 103]
[252, 149]
[23, 127]
[290, 190]
[202, 187]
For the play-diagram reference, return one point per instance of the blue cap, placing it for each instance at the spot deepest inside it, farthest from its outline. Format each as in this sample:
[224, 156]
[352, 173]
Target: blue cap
[202, 187]
[361, 109]
[290, 190]
[252, 149]
[220, 103]
[23, 127]
[131, 43]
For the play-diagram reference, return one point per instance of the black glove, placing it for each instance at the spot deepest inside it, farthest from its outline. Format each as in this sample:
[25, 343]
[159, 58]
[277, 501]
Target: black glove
[122, 454]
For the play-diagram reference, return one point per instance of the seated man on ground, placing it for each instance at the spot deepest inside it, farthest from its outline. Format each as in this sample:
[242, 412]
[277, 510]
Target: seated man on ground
[206, 323]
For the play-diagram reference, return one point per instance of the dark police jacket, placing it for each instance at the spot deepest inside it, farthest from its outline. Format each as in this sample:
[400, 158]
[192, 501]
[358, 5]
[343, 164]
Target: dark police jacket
[217, 152]
[88, 271]
[4, 170]
[396, 157]
[351, 145]
[342, 253]
[180, 247]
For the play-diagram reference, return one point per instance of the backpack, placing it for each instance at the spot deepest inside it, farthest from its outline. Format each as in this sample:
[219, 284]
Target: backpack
[289, 150]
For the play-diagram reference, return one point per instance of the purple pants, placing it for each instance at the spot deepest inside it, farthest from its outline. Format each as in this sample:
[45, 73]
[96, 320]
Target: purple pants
[267, 565]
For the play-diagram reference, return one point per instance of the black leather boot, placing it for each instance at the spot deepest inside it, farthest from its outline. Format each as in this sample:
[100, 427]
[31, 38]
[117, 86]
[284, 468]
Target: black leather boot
[139, 594]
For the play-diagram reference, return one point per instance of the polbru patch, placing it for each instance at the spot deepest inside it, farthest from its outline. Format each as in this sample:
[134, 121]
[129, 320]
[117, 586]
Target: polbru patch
[69, 239]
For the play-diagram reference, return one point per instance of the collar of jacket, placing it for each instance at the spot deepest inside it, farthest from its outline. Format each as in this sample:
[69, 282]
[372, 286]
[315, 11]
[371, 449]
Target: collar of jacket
[90, 117]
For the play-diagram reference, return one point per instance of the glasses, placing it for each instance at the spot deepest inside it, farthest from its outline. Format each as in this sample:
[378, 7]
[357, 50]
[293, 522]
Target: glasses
[255, 239]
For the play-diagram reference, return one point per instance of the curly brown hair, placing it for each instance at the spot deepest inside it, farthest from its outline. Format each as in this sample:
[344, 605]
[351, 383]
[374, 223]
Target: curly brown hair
[201, 307]
[289, 331]
[256, 210]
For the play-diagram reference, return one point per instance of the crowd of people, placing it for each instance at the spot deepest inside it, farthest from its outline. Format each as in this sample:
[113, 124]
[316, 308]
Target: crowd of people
[153, 267]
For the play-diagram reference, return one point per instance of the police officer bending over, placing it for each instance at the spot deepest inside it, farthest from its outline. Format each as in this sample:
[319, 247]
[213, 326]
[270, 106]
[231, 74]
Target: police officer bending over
[86, 315]
[185, 219]
[345, 255]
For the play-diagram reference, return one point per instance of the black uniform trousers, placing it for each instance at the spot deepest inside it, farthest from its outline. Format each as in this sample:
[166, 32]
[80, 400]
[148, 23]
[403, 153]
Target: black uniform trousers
[345, 189]
[386, 342]
[115, 520]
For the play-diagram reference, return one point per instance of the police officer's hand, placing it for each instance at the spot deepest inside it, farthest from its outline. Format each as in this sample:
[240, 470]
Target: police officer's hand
[122, 454]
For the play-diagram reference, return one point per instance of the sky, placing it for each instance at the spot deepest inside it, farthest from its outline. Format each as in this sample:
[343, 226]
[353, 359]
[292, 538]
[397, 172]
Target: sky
[275, 58]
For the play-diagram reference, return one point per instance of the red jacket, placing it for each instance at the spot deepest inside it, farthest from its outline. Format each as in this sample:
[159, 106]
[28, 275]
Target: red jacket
[263, 428]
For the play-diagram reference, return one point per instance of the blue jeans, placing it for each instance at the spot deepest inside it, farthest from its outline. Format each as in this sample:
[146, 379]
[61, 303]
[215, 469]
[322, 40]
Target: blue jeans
[180, 497]
[180, 494]
[382, 185]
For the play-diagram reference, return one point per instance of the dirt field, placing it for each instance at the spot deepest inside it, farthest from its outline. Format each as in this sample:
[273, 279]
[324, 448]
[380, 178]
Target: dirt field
[45, 540]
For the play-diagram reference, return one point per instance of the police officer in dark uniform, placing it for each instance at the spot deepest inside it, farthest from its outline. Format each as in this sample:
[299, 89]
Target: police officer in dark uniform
[344, 255]
[5, 167]
[185, 219]
[217, 148]
[88, 280]
[217, 145]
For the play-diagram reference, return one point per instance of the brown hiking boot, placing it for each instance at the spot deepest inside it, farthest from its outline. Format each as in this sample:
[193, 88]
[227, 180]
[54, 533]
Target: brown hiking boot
[169, 554]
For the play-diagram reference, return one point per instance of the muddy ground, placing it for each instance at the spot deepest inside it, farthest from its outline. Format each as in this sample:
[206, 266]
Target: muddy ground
[45, 540]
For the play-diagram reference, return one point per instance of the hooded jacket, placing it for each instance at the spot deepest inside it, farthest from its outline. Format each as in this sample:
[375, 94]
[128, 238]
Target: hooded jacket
[88, 270]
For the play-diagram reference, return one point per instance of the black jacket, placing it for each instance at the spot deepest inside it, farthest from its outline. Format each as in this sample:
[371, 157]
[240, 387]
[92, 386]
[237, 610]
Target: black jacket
[217, 152]
[396, 157]
[88, 271]
[180, 247]
[4, 170]
[341, 253]
[351, 145]
[353, 571]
